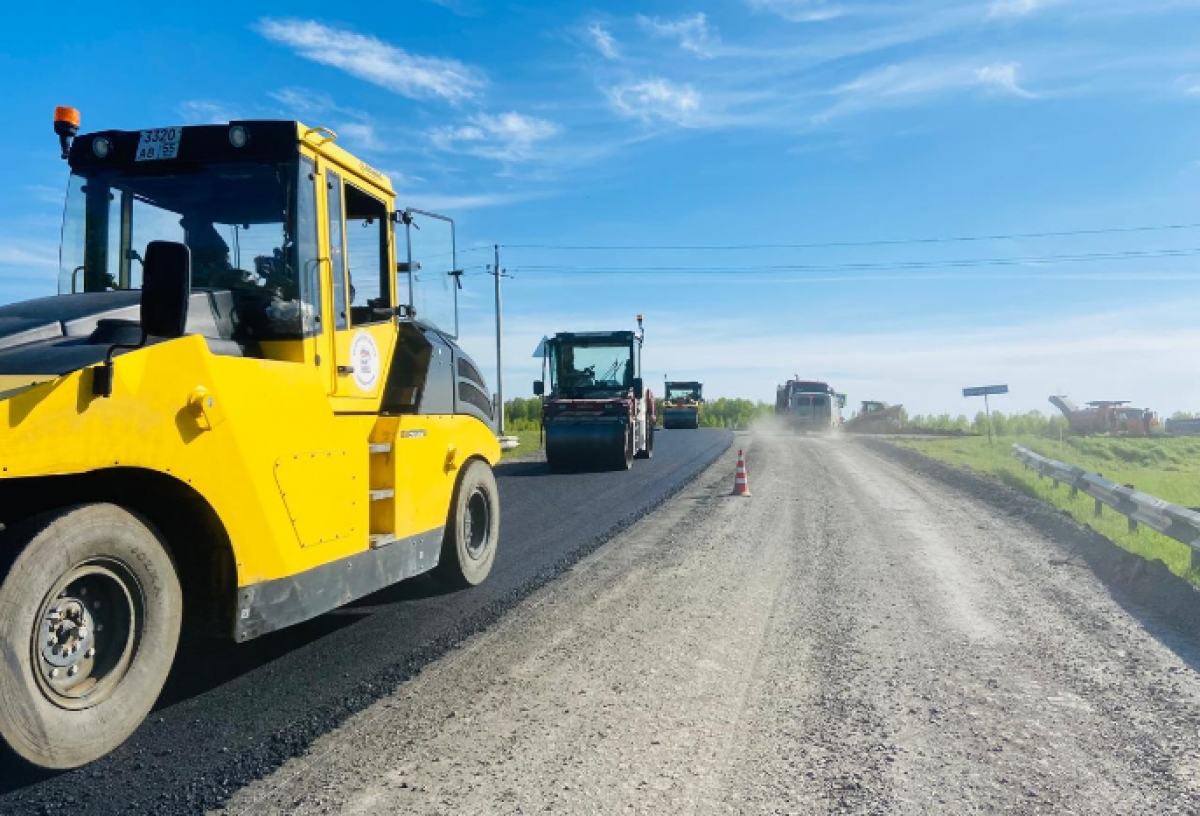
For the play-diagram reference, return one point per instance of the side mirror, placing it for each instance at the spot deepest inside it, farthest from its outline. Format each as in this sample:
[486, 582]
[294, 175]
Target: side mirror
[639, 389]
[539, 388]
[166, 289]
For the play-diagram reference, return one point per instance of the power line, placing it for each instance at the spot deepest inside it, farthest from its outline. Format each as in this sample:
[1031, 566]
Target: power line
[868, 266]
[868, 243]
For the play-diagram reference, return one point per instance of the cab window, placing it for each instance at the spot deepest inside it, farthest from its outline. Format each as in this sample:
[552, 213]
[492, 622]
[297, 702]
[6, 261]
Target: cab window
[367, 256]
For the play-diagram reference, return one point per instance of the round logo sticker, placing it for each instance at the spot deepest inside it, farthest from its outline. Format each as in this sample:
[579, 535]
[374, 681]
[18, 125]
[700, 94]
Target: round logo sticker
[364, 357]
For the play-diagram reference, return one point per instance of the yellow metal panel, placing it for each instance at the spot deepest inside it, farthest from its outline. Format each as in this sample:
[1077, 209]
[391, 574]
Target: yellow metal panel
[429, 451]
[270, 409]
[321, 490]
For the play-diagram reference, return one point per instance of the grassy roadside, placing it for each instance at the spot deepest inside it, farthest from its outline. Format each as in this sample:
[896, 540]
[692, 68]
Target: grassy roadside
[1167, 468]
[529, 443]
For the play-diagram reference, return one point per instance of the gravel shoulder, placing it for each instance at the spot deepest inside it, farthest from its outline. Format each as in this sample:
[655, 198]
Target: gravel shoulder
[857, 637]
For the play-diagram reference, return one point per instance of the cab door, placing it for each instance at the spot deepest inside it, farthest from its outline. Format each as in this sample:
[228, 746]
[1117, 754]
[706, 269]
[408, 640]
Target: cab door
[363, 289]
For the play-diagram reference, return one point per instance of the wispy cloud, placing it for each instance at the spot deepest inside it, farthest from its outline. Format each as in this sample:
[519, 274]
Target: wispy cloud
[442, 202]
[799, 11]
[375, 61]
[463, 8]
[509, 137]
[604, 42]
[657, 99]
[1136, 351]
[206, 112]
[693, 32]
[1189, 84]
[28, 254]
[45, 194]
[303, 101]
[1002, 77]
[1012, 8]
[917, 82]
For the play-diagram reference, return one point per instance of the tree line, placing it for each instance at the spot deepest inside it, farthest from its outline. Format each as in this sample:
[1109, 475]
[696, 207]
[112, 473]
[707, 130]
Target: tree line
[1030, 423]
[524, 414]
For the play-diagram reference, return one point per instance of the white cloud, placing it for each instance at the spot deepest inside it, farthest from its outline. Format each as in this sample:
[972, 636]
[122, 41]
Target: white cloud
[359, 135]
[1002, 77]
[1139, 354]
[45, 194]
[1012, 8]
[302, 101]
[28, 254]
[657, 98]
[204, 112]
[604, 41]
[799, 11]
[692, 33]
[376, 61]
[510, 137]
[451, 203]
[916, 82]
[1190, 84]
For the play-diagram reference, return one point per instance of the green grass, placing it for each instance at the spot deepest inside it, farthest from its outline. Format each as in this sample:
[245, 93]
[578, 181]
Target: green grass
[529, 442]
[1166, 468]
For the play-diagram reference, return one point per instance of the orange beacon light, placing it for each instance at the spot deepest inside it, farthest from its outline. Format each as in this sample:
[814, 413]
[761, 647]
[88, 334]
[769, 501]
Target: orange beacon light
[66, 125]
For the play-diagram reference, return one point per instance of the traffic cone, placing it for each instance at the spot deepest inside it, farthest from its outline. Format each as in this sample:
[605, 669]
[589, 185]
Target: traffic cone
[741, 486]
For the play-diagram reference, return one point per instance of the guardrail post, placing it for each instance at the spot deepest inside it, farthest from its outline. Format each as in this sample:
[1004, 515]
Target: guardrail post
[1195, 559]
[1099, 509]
[1074, 491]
[1133, 525]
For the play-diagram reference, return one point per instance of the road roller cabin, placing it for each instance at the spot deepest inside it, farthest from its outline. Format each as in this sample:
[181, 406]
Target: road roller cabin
[682, 404]
[598, 414]
[244, 407]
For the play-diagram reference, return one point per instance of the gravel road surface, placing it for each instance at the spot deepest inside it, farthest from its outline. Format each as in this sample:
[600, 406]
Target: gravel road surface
[857, 637]
[232, 713]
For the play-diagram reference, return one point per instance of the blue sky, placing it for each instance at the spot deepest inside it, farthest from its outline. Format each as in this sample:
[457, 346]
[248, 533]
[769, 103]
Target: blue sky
[745, 122]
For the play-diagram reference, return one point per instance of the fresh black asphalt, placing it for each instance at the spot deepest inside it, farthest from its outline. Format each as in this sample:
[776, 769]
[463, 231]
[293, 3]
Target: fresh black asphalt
[231, 714]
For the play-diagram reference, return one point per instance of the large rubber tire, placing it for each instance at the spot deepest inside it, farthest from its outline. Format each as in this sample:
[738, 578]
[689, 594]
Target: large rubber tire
[623, 455]
[97, 580]
[648, 451]
[472, 529]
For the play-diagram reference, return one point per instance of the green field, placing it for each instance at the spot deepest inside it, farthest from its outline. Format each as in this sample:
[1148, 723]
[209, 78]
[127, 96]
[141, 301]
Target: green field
[1166, 468]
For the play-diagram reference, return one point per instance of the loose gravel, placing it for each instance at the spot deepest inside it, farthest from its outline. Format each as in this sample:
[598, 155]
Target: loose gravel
[863, 635]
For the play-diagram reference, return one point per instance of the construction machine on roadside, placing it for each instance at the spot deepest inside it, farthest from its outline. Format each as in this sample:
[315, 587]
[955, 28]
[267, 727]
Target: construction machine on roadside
[875, 417]
[245, 404]
[598, 413]
[682, 403]
[1116, 417]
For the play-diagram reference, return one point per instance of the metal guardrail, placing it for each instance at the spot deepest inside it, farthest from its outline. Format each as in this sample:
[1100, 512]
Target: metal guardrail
[1180, 523]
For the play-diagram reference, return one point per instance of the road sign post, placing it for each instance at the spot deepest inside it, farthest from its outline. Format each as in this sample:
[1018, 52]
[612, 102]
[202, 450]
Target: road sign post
[983, 391]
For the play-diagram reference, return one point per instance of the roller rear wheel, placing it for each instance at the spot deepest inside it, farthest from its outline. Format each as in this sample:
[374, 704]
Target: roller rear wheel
[472, 529]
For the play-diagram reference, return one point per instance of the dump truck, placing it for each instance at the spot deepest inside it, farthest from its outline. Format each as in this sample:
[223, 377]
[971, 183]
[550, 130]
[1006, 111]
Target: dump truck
[682, 402]
[245, 406]
[808, 405]
[875, 417]
[597, 414]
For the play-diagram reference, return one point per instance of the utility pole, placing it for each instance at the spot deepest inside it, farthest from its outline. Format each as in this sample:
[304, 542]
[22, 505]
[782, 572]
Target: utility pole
[499, 325]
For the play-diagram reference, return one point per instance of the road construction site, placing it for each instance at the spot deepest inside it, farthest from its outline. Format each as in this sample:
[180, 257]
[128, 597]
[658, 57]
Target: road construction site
[868, 632]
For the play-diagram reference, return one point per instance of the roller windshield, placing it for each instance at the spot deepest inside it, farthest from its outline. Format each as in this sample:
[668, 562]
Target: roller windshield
[251, 229]
[581, 367]
[683, 391]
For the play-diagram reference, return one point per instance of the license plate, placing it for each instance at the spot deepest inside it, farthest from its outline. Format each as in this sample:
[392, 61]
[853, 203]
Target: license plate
[160, 143]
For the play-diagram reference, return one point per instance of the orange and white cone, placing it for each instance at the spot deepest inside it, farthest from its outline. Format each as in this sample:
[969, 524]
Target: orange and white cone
[741, 486]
